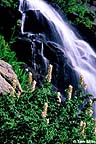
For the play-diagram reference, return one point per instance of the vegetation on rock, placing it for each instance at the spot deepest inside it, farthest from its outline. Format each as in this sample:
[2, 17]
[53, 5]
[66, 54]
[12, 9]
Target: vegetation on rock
[9, 3]
[78, 12]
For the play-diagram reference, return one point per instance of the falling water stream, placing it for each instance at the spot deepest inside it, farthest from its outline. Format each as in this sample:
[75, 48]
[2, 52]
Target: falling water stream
[81, 55]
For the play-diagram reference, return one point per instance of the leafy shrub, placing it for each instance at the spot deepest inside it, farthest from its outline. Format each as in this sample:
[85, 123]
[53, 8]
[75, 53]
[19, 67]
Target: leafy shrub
[9, 3]
[82, 14]
[9, 56]
[21, 119]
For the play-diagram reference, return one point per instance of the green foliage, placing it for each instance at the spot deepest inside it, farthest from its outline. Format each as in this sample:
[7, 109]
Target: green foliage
[83, 15]
[21, 120]
[7, 55]
[9, 3]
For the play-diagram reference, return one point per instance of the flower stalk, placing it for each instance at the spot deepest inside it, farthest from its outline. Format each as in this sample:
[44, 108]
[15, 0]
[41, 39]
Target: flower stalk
[14, 83]
[34, 85]
[70, 90]
[82, 128]
[30, 78]
[49, 75]
[59, 98]
[44, 113]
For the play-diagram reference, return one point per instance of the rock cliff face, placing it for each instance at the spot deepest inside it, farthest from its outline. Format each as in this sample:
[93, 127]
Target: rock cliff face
[37, 52]
[7, 79]
[29, 49]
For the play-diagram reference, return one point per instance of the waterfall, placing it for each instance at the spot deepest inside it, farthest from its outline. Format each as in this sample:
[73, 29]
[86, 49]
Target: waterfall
[81, 55]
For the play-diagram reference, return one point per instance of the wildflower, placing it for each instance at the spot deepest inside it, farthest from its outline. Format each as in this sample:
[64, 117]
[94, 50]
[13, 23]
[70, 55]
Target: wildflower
[90, 102]
[30, 77]
[81, 79]
[45, 107]
[49, 75]
[95, 131]
[19, 93]
[59, 98]
[86, 112]
[83, 125]
[70, 92]
[44, 113]
[34, 85]
[47, 121]
[12, 93]
[90, 112]
[85, 86]
[14, 83]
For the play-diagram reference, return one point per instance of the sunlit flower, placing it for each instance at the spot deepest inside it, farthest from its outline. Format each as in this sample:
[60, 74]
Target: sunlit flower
[85, 86]
[45, 107]
[90, 112]
[81, 79]
[30, 77]
[44, 114]
[90, 102]
[12, 92]
[82, 128]
[14, 83]
[49, 75]
[70, 89]
[47, 121]
[84, 124]
[81, 123]
[95, 131]
[19, 93]
[33, 85]
[59, 98]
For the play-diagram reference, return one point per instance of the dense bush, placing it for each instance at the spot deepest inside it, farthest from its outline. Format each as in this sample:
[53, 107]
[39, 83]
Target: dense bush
[77, 11]
[21, 119]
[9, 3]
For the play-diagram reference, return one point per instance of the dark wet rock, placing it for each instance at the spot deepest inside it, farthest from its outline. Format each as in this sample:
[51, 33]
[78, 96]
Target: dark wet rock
[38, 53]
[87, 34]
[37, 50]
[22, 47]
[39, 25]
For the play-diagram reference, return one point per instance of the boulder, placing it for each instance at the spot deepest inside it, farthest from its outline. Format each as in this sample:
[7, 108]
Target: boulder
[7, 78]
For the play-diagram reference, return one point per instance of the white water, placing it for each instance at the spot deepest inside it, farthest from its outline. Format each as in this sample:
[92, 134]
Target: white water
[46, 63]
[80, 53]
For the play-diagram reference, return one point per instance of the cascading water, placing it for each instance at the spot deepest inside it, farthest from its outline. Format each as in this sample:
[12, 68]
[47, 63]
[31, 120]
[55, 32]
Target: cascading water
[81, 55]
